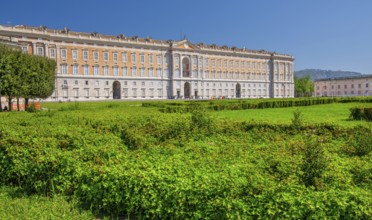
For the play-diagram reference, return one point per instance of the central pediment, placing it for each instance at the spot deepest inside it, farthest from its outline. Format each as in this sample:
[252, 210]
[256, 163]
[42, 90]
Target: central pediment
[186, 45]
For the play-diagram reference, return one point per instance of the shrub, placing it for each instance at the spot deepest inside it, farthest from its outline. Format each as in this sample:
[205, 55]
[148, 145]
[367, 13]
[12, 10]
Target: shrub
[297, 120]
[31, 108]
[361, 113]
[314, 163]
[356, 113]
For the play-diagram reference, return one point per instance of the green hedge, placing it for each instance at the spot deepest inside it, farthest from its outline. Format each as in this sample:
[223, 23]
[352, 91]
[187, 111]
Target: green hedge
[219, 105]
[361, 113]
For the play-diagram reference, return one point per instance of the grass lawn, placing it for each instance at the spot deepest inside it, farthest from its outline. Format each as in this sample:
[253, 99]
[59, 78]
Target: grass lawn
[336, 113]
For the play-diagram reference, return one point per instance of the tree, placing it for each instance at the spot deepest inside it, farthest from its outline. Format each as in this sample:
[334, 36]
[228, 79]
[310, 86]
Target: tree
[26, 76]
[304, 87]
[40, 80]
[8, 78]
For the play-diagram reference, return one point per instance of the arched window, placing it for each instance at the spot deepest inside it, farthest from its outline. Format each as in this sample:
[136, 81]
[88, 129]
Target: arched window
[185, 67]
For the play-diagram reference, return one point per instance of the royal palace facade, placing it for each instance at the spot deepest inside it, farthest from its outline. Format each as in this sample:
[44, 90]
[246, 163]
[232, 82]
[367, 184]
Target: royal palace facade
[93, 66]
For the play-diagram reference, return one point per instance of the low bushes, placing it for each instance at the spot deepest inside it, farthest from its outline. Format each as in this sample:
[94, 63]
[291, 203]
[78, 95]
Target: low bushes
[361, 113]
[219, 105]
[189, 166]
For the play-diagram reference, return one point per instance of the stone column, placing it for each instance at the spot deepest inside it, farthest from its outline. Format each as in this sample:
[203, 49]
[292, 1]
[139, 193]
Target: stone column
[46, 50]
[34, 48]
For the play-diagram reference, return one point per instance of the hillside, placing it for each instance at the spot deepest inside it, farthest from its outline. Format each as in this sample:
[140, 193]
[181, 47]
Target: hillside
[321, 74]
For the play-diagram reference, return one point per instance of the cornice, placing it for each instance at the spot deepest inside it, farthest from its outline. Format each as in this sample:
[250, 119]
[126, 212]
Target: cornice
[68, 36]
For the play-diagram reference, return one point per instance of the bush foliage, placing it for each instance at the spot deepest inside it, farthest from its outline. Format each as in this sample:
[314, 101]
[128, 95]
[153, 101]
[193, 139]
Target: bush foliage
[188, 166]
[241, 104]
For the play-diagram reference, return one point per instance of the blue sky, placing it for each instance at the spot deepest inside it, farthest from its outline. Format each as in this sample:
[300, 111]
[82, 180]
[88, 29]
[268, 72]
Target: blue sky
[321, 34]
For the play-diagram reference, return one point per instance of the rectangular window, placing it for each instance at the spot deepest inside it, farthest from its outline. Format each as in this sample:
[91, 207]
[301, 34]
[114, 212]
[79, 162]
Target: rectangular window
[64, 91]
[219, 63]
[143, 93]
[52, 52]
[86, 93]
[24, 49]
[115, 57]
[76, 93]
[86, 70]
[194, 61]
[213, 63]
[64, 54]
[40, 51]
[134, 72]
[64, 68]
[124, 57]
[125, 91]
[116, 71]
[106, 70]
[158, 59]
[133, 58]
[125, 71]
[134, 93]
[151, 72]
[74, 54]
[96, 56]
[75, 70]
[142, 72]
[150, 59]
[97, 93]
[105, 56]
[96, 70]
[85, 55]
[158, 74]
[142, 58]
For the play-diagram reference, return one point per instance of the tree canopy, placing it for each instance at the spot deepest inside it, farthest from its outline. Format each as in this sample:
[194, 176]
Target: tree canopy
[304, 87]
[24, 75]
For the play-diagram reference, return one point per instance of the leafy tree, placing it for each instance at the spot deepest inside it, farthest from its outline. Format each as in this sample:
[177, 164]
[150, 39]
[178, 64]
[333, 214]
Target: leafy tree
[26, 76]
[8, 78]
[40, 79]
[304, 87]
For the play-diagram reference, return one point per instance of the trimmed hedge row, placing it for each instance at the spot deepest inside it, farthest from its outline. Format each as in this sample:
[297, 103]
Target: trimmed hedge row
[361, 113]
[218, 105]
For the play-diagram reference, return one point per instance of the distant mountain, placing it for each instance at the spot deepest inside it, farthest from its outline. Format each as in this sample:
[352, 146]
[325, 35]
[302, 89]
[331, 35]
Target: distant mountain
[321, 74]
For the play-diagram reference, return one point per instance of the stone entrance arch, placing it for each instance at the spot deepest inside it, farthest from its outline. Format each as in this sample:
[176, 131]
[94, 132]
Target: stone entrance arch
[238, 89]
[116, 88]
[187, 90]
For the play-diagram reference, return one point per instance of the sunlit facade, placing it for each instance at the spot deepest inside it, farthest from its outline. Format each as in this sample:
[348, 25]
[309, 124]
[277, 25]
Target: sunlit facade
[344, 86]
[93, 66]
